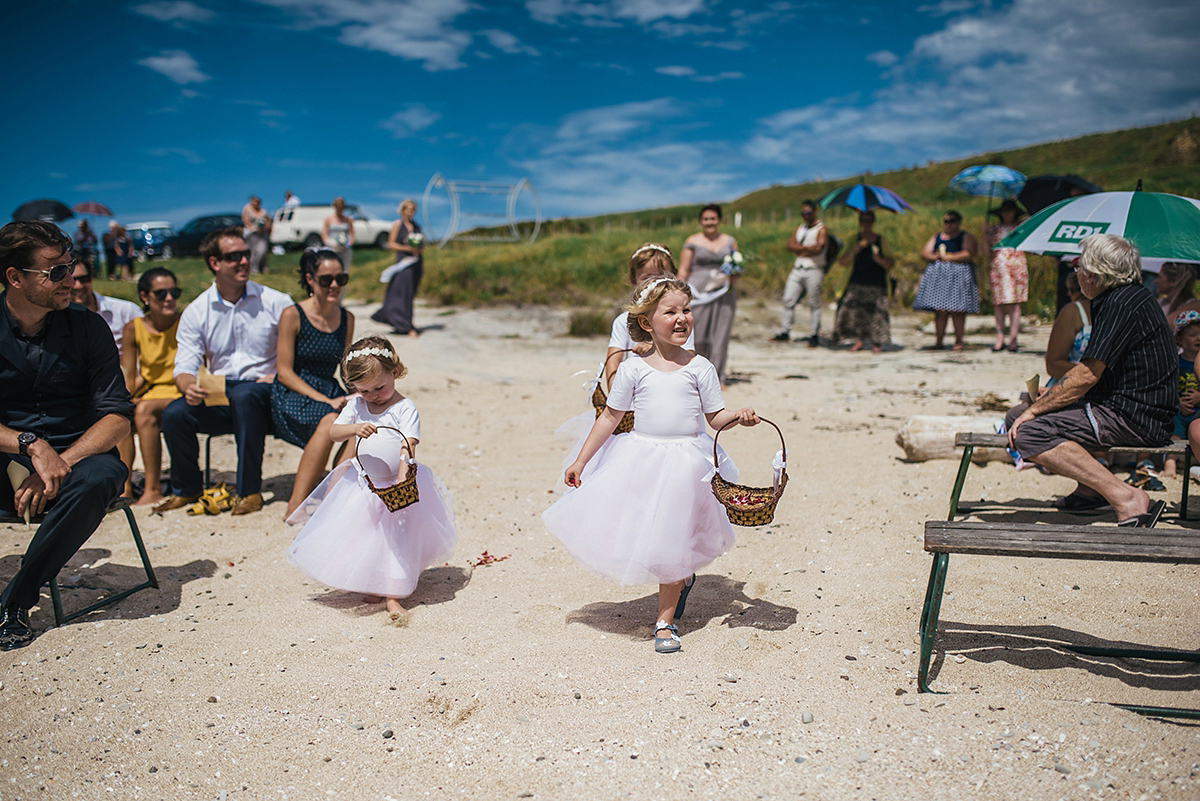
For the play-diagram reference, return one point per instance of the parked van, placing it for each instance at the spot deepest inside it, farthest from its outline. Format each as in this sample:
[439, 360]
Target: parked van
[148, 238]
[301, 226]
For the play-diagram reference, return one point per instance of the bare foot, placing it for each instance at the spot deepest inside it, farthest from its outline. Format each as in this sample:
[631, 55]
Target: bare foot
[372, 599]
[414, 333]
[148, 499]
[858, 345]
[289, 511]
[876, 349]
[957, 346]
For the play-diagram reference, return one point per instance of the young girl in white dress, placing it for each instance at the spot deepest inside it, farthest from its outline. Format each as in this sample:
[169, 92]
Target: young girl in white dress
[649, 260]
[646, 513]
[351, 541]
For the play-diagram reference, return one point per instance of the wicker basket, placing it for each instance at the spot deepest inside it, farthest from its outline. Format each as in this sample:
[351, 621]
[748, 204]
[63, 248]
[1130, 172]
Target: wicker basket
[748, 506]
[399, 495]
[600, 398]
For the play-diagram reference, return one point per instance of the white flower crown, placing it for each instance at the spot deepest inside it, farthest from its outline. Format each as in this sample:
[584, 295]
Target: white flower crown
[645, 293]
[659, 248]
[354, 354]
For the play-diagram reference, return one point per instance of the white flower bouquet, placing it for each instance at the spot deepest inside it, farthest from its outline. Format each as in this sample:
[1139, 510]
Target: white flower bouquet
[415, 240]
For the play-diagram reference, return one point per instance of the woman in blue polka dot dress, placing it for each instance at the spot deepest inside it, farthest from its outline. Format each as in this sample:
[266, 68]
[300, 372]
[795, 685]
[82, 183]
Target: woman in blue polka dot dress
[306, 397]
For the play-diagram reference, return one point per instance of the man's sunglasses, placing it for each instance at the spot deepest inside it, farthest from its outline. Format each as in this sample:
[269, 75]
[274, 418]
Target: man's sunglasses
[328, 280]
[161, 294]
[234, 256]
[56, 274]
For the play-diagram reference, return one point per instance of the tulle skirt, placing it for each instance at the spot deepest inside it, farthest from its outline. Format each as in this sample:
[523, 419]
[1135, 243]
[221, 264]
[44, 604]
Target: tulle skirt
[645, 513]
[352, 542]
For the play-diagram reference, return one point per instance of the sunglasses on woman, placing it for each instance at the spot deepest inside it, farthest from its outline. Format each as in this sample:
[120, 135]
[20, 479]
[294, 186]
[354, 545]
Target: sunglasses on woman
[161, 294]
[328, 280]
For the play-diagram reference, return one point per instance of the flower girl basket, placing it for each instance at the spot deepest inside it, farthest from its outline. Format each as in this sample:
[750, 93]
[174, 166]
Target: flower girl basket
[401, 494]
[750, 506]
[600, 397]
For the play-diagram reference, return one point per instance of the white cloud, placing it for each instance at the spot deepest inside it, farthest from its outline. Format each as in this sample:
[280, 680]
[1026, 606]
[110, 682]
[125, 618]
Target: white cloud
[1033, 71]
[177, 65]
[947, 7]
[417, 30]
[190, 156]
[613, 122]
[884, 58]
[176, 11]
[689, 72]
[409, 120]
[609, 12]
[679, 72]
[505, 42]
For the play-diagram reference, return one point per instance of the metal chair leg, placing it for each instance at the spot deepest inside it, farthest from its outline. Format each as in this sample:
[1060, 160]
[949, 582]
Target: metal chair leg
[1187, 479]
[929, 618]
[968, 451]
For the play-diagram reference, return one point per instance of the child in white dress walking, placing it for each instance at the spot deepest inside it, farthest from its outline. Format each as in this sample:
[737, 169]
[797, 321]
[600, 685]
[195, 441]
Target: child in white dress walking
[645, 513]
[351, 540]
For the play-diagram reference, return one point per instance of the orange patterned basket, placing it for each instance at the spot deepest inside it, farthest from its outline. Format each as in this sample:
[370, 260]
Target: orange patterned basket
[748, 506]
[401, 494]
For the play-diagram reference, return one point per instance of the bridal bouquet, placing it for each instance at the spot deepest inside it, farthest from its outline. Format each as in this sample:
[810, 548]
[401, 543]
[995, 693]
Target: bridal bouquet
[732, 265]
[415, 240]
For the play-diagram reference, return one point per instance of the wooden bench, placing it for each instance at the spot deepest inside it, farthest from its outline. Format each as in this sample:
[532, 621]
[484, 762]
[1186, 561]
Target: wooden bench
[119, 505]
[1107, 543]
[970, 441]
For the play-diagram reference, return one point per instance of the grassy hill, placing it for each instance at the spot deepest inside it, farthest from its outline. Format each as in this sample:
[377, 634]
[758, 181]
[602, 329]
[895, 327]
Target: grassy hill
[581, 261]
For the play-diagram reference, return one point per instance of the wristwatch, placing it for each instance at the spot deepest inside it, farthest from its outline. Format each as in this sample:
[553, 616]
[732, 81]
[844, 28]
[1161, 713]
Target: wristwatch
[24, 440]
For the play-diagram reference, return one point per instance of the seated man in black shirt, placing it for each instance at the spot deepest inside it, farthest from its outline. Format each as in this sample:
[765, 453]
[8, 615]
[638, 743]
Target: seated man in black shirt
[63, 409]
[1123, 393]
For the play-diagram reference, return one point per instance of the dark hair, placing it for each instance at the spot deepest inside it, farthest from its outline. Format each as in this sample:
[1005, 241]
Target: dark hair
[210, 248]
[19, 240]
[82, 257]
[310, 262]
[809, 202]
[711, 207]
[145, 282]
[952, 213]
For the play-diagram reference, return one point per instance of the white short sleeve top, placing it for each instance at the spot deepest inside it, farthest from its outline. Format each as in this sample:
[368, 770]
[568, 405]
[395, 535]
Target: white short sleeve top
[380, 454]
[667, 404]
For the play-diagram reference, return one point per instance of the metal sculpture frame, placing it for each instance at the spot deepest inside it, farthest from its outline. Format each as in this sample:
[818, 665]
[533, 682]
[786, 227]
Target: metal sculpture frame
[457, 188]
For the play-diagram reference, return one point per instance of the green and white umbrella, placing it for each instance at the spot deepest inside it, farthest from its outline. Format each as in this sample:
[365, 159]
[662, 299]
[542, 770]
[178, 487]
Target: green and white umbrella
[1162, 226]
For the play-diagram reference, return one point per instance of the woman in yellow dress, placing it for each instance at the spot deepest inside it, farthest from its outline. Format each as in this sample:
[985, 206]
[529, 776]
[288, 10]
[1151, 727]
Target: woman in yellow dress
[148, 348]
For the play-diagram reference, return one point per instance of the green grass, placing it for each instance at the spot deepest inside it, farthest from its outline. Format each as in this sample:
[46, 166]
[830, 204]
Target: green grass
[581, 262]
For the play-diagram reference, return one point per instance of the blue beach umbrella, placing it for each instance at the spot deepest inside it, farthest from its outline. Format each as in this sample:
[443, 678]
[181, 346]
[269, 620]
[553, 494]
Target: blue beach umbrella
[989, 180]
[865, 197]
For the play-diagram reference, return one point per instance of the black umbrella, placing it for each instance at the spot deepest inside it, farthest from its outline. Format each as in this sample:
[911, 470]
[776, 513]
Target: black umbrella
[47, 210]
[1045, 190]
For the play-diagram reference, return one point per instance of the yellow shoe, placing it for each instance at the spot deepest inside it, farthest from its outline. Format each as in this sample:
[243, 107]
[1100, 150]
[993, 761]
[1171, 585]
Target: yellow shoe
[212, 501]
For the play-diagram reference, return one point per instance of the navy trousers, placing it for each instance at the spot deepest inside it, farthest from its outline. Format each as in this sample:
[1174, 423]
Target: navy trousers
[247, 417]
[69, 520]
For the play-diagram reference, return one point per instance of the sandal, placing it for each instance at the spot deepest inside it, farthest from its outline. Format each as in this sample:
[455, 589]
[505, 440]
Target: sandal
[213, 501]
[1078, 502]
[669, 644]
[683, 596]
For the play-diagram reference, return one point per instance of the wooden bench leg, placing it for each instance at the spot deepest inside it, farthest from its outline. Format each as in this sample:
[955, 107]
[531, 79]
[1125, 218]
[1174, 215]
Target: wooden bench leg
[968, 451]
[929, 618]
[151, 580]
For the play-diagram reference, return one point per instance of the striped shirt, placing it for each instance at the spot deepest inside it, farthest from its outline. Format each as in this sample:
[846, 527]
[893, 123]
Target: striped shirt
[1140, 381]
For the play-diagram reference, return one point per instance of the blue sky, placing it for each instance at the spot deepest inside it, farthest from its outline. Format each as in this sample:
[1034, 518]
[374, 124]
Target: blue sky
[165, 109]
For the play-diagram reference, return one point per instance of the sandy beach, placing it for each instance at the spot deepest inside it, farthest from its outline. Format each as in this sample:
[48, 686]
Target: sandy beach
[532, 678]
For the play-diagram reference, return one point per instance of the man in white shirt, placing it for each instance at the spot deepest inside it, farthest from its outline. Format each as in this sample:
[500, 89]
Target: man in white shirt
[231, 329]
[116, 312]
[808, 270]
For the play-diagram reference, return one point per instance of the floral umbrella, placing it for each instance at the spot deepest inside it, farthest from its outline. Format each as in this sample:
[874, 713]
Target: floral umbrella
[990, 180]
[93, 208]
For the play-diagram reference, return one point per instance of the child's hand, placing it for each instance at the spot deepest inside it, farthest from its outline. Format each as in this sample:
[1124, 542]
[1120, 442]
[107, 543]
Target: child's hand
[747, 417]
[572, 476]
[365, 430]
[642, 348]
[1189, 399]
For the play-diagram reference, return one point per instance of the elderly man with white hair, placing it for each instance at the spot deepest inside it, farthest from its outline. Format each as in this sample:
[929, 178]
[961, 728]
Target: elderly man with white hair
[1124, 392]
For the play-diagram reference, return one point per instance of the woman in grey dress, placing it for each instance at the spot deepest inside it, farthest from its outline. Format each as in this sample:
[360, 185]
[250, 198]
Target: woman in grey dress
[714, 297]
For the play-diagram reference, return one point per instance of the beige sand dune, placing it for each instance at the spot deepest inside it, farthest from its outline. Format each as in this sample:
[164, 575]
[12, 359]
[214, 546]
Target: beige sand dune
[531, 678]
